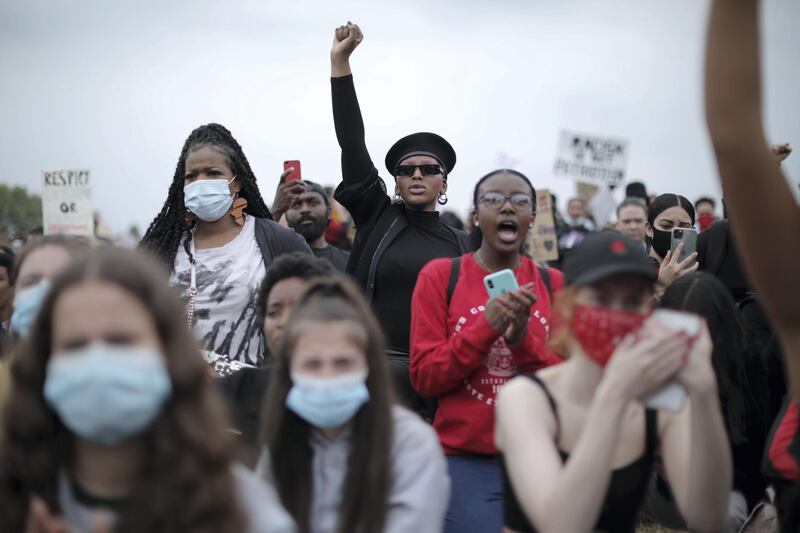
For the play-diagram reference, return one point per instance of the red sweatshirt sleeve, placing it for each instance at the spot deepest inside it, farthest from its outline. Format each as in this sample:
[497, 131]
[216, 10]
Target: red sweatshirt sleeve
[439, 360]
[532, 353]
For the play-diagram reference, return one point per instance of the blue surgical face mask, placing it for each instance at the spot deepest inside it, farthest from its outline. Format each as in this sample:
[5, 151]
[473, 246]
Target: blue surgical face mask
[26, 306]
[327, 403]
[209, 200]
[106, 393]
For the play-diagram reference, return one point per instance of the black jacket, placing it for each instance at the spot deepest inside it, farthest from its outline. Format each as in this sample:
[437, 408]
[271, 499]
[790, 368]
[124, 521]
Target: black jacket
[275, 240]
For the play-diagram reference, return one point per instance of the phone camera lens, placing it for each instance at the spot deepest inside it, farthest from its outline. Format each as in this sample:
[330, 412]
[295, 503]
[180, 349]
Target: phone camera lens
[679, 233]
[490, 283]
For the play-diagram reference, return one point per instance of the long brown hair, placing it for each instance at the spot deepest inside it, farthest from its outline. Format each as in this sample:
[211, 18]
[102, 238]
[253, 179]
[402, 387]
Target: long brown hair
[286, 435]
[185, 483]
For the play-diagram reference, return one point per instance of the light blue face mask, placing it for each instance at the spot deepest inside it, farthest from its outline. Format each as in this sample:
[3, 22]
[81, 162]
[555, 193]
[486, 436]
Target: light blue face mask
[328, 403]
[209, 200]
[26, 306]
[106, 393]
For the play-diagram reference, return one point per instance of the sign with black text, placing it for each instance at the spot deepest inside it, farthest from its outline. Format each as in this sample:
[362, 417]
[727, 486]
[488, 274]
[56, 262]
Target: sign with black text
[542, 239]
[67, 203]
[591, 157]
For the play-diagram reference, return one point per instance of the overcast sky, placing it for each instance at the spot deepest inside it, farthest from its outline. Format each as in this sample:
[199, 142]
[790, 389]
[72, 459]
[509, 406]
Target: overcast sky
[116, 87]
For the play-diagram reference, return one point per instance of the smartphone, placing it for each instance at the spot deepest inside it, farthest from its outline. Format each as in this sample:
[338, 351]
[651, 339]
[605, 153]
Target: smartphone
[686, 236]
[500, 283]
[295, 174]
[672, 396]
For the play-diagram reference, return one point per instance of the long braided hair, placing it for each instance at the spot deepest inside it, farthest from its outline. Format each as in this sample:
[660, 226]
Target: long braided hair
[170, 225]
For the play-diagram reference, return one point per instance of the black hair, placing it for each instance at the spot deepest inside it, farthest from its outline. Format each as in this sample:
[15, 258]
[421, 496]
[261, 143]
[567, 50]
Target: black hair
[665, 201]
[634, 201]
[293, 265]
[451, 219]
[476, 236]
[636, 189]
[170, 225]
[703, 294]
[707, 200]
[7, 260]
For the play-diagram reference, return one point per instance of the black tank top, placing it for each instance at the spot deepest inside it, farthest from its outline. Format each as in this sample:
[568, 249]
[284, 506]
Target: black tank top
[626, 491]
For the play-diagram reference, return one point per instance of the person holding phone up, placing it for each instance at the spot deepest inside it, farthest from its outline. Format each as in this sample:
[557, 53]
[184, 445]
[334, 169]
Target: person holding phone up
[465, 348]
[667, 213]
[395, 237]
[578, 445]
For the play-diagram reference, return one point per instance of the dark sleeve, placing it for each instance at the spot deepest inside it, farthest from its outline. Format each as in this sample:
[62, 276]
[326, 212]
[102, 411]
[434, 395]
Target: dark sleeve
[362, 191]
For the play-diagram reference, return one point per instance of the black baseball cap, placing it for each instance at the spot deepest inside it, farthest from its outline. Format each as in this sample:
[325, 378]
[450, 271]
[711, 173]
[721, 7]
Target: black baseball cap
[605, 254]
[422, 143]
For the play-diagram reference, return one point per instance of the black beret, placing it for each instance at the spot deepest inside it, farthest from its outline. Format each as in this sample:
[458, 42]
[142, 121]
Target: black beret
[422, 143]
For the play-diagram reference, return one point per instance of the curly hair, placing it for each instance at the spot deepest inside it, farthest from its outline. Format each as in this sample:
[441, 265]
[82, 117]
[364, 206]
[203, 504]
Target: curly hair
[286, 435]
[170, 225]
[185, 482]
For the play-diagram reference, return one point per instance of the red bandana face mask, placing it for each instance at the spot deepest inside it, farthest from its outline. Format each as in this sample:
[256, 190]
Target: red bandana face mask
[600, 329]
[705, 220]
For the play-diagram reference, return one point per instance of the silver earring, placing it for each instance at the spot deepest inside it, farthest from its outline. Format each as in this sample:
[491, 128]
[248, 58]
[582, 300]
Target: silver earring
[397, 198]
[442, 199]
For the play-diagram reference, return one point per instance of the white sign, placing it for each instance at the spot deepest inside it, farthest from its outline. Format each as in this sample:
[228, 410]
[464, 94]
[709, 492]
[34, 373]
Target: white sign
[67, 202]
[591, 157]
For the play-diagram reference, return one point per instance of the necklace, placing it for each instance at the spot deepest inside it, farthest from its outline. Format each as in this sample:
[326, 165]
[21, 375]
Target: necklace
[482, 263]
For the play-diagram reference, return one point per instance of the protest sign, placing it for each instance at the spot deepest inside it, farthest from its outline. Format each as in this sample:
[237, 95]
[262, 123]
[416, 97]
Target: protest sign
[591, 157]
[586, 191]
[67, 202]
[542, 236]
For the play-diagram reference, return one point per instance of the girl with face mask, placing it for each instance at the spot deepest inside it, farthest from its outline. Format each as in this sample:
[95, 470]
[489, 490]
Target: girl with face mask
[577, 444]
[341, 454]
[35, 266]
[667, 212]
[112, 417]
[216, 237]
[465, 347]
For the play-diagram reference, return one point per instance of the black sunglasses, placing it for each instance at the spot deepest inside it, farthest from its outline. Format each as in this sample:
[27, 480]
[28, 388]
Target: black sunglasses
[403, 171]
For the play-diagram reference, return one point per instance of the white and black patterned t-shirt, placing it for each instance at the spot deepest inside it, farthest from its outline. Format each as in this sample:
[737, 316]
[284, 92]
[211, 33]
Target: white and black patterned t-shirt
[228, 278]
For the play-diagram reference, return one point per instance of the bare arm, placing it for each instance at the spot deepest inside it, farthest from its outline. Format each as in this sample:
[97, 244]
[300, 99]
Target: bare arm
[756, 193]
[702, 484]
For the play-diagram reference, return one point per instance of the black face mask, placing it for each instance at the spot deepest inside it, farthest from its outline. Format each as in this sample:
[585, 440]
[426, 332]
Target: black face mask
[661, 241]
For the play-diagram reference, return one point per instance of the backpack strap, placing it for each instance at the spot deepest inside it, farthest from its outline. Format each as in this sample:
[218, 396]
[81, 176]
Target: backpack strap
[455, 267]
[544, 272]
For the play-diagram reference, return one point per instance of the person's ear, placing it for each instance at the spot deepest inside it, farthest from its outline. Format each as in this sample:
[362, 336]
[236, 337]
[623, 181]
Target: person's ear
[236, 186]
[444, 185]
[329, 213]
[648, 230]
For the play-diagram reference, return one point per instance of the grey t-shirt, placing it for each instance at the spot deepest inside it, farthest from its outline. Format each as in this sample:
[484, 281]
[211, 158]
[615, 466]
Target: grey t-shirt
[336, 256]
[420, 487]
[258, 501]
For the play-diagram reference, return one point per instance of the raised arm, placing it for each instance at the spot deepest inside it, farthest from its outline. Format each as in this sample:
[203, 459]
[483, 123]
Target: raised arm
[756, 194]
[357, 166]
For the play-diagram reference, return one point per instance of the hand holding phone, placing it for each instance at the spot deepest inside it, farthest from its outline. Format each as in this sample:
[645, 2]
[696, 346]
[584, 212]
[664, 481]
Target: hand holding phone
[672, 396]
[500, 283]
[295, 174]
[688, 237]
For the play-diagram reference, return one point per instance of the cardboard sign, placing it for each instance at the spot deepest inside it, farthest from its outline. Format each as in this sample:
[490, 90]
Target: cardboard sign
[542, 239]
[586, 191]
[67, 202]
[591, 157]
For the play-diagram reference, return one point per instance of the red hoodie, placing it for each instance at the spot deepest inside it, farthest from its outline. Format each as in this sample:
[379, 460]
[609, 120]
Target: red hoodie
[459, 358]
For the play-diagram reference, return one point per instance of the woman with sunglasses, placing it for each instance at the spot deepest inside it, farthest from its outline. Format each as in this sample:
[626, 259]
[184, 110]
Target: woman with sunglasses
[465, 348]
[395, 238]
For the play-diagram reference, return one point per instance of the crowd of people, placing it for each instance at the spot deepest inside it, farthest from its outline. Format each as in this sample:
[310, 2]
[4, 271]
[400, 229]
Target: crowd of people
[341, 361]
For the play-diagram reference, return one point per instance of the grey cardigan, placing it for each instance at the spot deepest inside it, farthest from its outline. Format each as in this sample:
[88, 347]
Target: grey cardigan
[420, 486]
